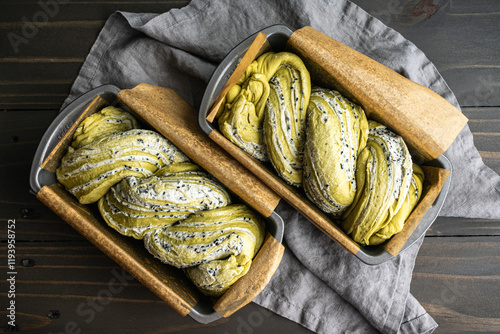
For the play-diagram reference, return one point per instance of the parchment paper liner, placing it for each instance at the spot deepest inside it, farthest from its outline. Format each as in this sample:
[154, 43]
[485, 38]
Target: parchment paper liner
[171, 116]
[426, 121]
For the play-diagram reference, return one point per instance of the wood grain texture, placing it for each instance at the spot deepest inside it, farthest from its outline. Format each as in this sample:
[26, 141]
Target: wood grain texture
[256, 49]
[39, 61]
[426, 121]
[94, 294]
[459, 36]
[456, 280]
[290, 194]
[167, 282]
[468, 65]
[433, 183]
[485, 126]
[248, 287]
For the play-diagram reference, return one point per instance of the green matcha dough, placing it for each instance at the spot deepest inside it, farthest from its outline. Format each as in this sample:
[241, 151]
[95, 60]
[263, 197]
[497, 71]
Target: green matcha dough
[108, 121]
[284, 119]
[384, 173]
[241, 118]
[136, 205]
[241, 121]
[336, 131]
[215, 246]
[398, 220]
[147, 188]
[89, 171]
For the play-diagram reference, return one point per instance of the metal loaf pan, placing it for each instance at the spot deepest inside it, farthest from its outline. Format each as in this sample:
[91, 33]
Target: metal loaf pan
[277, 37]
[169, 283]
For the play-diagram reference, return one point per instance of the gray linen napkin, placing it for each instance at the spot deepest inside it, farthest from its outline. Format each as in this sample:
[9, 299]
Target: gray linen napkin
[318, 284]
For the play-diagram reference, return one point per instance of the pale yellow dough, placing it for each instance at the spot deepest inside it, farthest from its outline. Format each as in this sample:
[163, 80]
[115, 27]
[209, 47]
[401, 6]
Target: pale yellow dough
[241, 118]
[103, 123]
[387, 190]
[336, 132]
[89, 171]
[216, 246]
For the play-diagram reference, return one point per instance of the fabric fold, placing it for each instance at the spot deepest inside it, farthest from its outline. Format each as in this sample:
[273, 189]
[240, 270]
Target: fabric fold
[298, 295]
[378, 292]
[318, 284]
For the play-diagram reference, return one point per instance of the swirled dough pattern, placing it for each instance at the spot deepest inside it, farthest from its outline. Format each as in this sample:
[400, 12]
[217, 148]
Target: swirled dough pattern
[242, 117]
[89, 171]
[384, 176]
[217, 246]
[336, 130]
[103, 123]
[241, 121]
[284, 119]
[136, 205]
[144, 184]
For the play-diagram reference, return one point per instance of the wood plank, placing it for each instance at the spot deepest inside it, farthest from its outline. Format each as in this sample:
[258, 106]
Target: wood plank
[487, 143]
[467, 65]
[456, 276]
[20, 139]
[44, 68]
[460, 38]
[473, 6]
[486, 126]
[42, 63]
[18, 145]
[80, 10]
[70, 39]
[478, 115]
[37, 71]
[95, 295]
[458, 226]
[20, 135]
[37, 26]
[456, 280]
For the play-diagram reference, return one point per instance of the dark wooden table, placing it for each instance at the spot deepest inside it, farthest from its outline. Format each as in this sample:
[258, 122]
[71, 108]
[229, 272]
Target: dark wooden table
[62, 279]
